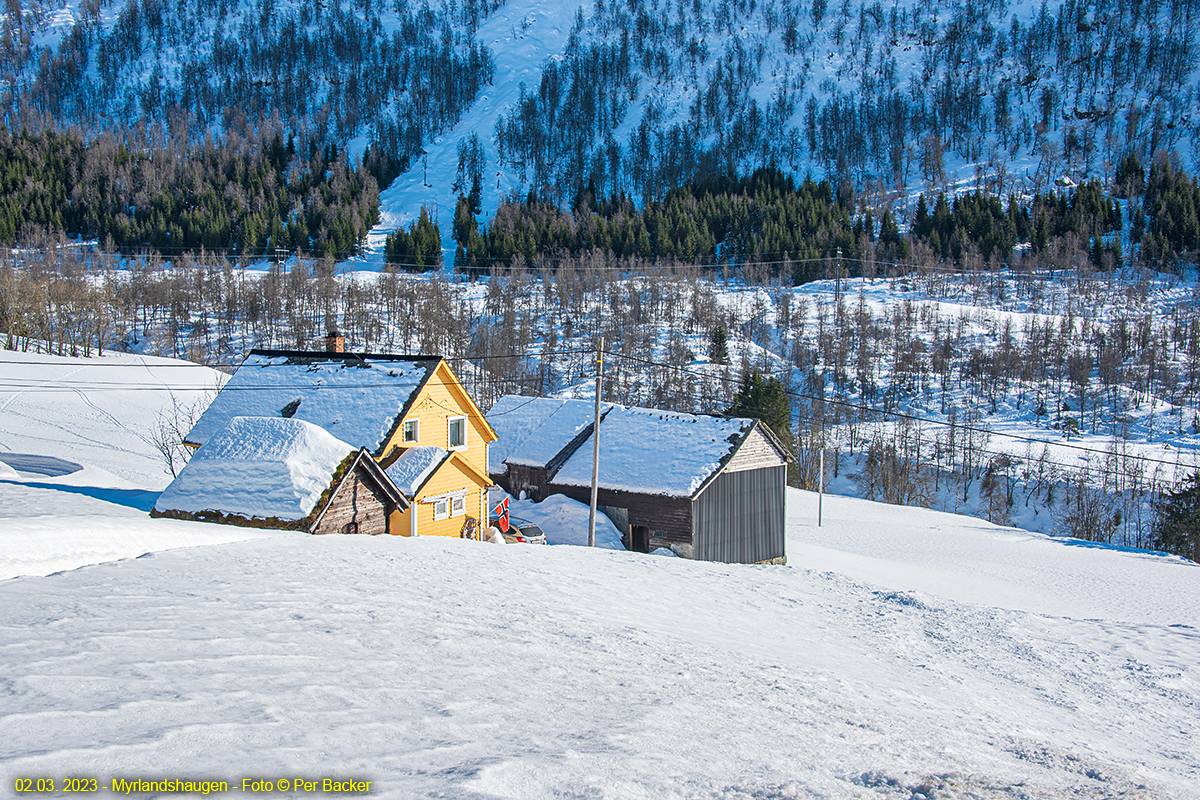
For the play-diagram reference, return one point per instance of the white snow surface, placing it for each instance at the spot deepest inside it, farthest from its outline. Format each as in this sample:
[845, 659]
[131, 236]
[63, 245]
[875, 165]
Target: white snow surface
[650, 451]
[565, 521]
[259, 468]
[355, 400]
[901, 654]
[533, 430]
[514, 418]
[413, 468]
[48, 545]
[95, 413]
[569, 672]
[96, 410]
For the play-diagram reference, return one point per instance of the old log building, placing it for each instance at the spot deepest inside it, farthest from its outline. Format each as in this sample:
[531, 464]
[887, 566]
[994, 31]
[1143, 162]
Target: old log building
[286, 474]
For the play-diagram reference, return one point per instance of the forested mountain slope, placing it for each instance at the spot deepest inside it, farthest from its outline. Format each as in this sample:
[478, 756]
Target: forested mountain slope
[393, 73]
[884, 99]
[629, 98]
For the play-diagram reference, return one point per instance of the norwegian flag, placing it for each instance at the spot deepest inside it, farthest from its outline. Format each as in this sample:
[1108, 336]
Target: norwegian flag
[501, 512]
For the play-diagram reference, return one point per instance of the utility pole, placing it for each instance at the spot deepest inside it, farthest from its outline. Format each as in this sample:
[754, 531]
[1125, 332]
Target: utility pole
[821, 488]
[596, 446]
[837, 292]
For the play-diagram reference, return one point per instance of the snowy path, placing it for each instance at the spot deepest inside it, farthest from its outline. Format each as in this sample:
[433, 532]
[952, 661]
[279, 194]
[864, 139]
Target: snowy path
[456, 669]
[521, 36]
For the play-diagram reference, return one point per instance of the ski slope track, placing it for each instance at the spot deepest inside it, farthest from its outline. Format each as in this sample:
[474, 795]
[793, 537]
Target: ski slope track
[521, 35]
[901, 654]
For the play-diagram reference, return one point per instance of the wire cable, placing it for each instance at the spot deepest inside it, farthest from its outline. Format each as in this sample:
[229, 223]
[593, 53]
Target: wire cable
[884, 412]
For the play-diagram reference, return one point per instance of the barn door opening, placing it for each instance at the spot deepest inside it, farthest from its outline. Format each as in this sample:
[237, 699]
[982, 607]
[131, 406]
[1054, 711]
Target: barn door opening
[640, 538]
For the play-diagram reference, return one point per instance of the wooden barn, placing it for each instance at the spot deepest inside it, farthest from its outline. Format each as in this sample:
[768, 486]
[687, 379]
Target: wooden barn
[708, 488]
[537, 436]
[386, 405]
[286, 474]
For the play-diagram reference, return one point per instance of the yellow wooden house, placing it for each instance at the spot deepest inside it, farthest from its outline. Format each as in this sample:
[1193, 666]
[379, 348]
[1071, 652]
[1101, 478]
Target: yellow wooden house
[410, 412]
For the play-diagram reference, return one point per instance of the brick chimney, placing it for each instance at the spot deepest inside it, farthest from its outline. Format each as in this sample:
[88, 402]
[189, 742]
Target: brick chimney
[335, 342]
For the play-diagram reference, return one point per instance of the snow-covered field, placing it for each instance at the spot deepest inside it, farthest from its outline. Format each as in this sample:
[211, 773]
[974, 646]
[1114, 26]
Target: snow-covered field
[86, 474]
[901, 654]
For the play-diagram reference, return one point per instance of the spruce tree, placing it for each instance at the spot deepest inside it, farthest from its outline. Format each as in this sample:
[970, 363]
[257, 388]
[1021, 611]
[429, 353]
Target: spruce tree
[1177, 529]
[765, 399]
[718, 346]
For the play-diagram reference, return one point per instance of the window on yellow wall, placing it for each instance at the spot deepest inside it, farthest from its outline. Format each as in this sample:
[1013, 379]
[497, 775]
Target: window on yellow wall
[458, 506]
[441, 508]
[412, 430]
[456, 434]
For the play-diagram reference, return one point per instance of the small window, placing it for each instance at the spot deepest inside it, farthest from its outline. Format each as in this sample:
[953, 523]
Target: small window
[441, 509]
[457, 433]
[458, 506]
[412, 430]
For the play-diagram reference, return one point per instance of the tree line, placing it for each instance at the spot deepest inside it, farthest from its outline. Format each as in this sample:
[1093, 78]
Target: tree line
[765, 215]
[798, 230]
[242, 195]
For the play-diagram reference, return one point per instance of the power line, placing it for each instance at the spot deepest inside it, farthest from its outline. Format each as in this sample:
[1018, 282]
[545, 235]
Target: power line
[884, 412]
[34, 389]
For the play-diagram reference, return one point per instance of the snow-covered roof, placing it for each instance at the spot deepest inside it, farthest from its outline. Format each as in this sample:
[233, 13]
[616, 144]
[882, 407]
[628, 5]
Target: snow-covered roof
[357, 398]
[414, 466]
[533, 430]
[258, 468]
[650, 451]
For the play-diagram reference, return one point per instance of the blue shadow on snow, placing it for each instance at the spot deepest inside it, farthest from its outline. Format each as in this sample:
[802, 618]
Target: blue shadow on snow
[1120, 548]
[141, 499]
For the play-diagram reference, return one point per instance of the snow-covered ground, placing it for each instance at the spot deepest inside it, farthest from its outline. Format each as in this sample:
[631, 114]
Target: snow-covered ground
[78, 470]
[564, 521]
[901, 654]
[98, 411]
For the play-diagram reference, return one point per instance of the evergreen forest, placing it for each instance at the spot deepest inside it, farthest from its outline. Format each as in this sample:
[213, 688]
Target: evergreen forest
[241, 197]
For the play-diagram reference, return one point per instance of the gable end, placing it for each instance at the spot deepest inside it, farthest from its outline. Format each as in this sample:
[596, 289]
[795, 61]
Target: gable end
[755, 451]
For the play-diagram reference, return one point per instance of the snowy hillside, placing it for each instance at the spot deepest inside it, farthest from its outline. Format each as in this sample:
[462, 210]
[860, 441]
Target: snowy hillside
[632, 98]
[79, 471]
[101, 412]
[901, 654]
[522, 35]
[897, 98]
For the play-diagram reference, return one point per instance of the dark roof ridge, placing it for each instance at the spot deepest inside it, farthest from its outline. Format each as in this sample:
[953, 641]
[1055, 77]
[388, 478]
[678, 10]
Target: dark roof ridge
[562, 456]
[336, 356]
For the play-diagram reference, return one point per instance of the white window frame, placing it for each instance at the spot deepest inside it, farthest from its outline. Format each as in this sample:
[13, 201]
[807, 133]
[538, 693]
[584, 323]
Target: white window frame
[446, 503]
[450, 426]
[416, 429]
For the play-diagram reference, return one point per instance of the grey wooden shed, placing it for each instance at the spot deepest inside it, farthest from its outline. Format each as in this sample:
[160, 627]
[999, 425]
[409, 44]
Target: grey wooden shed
[709, 488]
